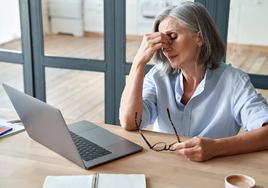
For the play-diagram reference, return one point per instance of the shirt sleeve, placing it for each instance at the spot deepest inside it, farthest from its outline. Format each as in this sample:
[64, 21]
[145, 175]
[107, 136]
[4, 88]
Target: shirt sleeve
[149, 99]
[250, 109]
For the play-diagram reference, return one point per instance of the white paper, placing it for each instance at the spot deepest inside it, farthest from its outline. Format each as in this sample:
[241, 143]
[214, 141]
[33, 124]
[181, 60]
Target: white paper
[121, 181]
[68, 182]
[104, 181]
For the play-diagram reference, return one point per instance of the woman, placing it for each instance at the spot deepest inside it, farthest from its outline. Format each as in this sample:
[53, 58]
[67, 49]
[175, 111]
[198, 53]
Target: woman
[206, 98]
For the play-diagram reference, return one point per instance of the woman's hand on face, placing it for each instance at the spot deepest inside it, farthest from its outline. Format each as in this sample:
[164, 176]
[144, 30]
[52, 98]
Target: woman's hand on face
[150, 44]
[196, 149]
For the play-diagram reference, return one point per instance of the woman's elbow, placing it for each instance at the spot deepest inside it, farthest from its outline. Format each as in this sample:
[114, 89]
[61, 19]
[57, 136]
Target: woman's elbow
[127, 123]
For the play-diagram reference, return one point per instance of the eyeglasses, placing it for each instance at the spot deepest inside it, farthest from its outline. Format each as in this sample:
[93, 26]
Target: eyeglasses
[159, 146]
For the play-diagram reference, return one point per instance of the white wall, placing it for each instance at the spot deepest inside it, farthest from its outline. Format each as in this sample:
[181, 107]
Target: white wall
[93, 15]
[136, 24]
[9, 20]
[138, 13]
[248, 22]
[46, 21]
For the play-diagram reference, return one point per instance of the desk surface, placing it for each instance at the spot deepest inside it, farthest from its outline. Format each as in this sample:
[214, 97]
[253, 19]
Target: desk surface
[26, 163]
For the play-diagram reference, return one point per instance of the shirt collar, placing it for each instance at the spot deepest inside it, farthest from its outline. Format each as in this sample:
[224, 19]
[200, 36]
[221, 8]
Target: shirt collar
[200, 88]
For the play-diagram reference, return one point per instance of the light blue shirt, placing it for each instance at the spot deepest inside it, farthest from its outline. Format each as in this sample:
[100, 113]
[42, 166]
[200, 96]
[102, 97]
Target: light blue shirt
[224, 101]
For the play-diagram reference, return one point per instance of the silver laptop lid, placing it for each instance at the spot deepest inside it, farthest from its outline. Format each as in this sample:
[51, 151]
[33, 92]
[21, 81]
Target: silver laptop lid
[44, 124]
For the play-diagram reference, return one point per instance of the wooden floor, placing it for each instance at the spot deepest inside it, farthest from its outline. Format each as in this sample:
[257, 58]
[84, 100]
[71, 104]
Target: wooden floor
[80, 94]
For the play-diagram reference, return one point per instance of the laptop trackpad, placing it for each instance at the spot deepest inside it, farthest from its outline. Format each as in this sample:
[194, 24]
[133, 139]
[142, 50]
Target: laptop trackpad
[101, 137]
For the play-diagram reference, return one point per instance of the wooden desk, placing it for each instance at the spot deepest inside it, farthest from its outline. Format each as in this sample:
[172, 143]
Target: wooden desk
[25, 163]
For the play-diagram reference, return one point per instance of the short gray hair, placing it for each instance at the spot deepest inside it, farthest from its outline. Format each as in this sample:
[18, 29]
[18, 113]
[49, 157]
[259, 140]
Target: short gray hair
[196, 18]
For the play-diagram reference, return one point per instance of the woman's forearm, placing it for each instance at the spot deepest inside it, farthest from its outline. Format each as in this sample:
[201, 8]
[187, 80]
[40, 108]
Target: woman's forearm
[131, 100]
[246, 142]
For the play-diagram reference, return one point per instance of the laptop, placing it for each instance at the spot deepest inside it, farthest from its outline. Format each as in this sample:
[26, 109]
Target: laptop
[83, 143]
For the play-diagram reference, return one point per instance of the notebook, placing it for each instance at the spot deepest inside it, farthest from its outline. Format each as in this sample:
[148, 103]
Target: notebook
[97, 181]
[13, 128]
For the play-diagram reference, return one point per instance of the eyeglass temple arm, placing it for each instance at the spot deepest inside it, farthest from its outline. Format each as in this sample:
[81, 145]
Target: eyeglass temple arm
[138, 127]
[178, 138]
[147, 142]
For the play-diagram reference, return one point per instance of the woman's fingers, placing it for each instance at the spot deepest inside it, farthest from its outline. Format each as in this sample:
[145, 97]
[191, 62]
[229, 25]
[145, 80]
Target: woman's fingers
[187, 151]
[163, 36]
[196, 149]
[185, 144]
[156, 38]
[195, 157]
[192, 154]
[150, 44]
[157, 46]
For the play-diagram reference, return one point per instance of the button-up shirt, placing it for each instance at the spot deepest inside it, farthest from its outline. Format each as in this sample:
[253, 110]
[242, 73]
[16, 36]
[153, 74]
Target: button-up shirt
[224, 101]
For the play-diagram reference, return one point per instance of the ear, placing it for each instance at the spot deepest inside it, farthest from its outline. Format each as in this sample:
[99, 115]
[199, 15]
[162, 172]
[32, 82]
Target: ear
[199, 38]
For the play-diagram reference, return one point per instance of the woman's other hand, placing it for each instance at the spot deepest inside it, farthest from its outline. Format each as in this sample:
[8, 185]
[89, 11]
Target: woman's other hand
[150, 44]
[197, 148]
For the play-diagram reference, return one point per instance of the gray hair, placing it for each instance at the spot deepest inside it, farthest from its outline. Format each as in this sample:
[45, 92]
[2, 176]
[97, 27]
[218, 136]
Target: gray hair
[196, 18]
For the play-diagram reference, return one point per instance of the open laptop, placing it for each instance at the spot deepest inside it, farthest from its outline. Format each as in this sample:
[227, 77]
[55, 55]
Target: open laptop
[84, 143]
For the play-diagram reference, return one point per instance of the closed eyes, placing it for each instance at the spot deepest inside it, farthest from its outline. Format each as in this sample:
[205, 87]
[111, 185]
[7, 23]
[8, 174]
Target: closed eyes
[172, 35]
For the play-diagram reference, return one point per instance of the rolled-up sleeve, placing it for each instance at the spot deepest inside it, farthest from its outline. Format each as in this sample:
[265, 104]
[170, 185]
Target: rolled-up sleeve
[250, 109]
[149, 99]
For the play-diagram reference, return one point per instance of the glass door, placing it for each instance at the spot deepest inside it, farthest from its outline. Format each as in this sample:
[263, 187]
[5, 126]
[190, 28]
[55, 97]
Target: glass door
[73, 38]
[11, 60]
[247, 47]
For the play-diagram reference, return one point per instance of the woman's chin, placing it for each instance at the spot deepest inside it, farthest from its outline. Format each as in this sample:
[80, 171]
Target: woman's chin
[174, 64]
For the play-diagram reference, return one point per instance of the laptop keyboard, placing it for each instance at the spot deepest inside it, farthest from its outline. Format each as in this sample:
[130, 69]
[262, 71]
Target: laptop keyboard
[88, 150]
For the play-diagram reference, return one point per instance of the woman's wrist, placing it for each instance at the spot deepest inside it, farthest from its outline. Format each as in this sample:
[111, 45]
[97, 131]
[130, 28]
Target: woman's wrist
[220, 147]
[225, 146]
[139, 63]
